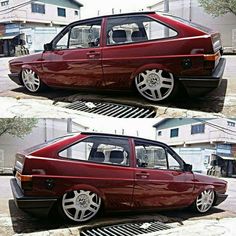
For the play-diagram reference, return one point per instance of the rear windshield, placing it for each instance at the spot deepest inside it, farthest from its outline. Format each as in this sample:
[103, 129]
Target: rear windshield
[42, 145]
[190, 23]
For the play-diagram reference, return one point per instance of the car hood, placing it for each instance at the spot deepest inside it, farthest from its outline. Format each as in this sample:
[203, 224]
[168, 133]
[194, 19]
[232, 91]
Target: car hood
[209, 179]
[26, 59]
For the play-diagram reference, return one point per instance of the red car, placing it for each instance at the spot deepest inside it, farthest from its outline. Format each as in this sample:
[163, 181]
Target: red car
[154, 53]
[82, 174]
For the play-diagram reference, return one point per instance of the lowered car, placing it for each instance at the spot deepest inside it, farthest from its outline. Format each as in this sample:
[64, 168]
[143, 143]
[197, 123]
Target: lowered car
[151, 52]
[83, 174]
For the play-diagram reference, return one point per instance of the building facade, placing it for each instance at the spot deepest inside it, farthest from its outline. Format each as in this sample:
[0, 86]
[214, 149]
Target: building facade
[33, 23]
[46, 130]
[198, 140]
[192, 11]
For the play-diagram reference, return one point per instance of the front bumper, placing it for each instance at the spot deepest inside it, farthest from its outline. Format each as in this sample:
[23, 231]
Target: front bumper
[199, 85]
[15, 77]
[34, 205]
[220, 198]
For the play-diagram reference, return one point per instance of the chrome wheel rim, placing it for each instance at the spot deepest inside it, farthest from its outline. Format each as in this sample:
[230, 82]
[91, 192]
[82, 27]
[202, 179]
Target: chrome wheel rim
[205, 200]
[81, 205]
[155, 85]
[30, 80]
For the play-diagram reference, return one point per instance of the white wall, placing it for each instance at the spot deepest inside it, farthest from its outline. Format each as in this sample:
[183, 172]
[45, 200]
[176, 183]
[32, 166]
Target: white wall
[25, 14]
[46, 129]
[190, 10]
[211, 134]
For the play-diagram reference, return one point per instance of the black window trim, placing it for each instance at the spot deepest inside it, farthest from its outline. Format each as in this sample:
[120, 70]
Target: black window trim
[67, 29]
[61, 8]
[167, 150]
[173, 130]
[92, 162]
[145, 41]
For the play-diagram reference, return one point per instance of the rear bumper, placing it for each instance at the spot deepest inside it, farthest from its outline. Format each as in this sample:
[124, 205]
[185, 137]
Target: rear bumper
[34, 205]
[199, 85]
[15, 77]
[220, 198]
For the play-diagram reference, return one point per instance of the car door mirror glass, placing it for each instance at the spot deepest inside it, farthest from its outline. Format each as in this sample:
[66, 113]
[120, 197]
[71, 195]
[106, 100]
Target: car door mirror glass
[48, 47]
[188, 167]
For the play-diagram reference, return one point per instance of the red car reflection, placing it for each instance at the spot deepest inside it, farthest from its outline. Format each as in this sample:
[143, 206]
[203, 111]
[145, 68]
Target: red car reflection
[82, 174]
[154, 53]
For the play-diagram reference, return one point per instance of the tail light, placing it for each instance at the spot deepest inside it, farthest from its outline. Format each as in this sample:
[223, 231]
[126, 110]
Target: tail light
[216, 42]
[24, 181]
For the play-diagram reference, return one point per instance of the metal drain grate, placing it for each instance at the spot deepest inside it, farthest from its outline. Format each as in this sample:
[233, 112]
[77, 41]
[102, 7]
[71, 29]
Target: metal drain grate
[131, 229]
[113, 110]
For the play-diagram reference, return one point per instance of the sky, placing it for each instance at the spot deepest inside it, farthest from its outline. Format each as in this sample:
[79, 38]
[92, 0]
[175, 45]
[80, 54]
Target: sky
[92, 7]
[135, 127]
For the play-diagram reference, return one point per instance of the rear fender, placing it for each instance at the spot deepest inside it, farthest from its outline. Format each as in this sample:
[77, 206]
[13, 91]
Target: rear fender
[88, 188]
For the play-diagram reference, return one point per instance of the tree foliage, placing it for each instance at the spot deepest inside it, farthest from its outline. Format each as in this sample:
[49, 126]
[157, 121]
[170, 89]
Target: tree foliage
[218, 7]
[17, 127]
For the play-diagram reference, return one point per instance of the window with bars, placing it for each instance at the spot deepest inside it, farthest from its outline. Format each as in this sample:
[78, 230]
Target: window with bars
[38, 8]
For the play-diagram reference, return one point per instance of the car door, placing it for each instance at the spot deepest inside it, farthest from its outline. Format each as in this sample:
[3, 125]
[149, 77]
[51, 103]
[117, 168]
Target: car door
[133, 44]
[75, 58]
[159, 177]
[103, 163]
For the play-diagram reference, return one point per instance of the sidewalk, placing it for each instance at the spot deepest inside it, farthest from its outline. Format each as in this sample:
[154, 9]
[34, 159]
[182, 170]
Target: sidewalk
[221, 227]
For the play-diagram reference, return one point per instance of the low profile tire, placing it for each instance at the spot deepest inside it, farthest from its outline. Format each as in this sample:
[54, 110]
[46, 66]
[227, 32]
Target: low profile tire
[156, 85]
[80, 205]
[31, 81]
[204, 201]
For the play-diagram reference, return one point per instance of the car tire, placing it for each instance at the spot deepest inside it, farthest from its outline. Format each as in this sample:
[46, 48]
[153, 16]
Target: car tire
[156, 85]
[204, 201]
[80, 205]
[31, 81]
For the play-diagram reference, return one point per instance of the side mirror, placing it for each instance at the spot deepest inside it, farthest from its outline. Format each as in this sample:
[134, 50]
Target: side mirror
[48, 47]
[188, 167]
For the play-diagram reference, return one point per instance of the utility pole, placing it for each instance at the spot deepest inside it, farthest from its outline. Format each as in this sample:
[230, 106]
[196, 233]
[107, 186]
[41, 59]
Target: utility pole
[166, 6]
[166, 9]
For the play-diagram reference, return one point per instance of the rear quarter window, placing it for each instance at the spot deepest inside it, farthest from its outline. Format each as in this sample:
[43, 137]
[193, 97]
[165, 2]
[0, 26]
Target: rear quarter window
[131, 29]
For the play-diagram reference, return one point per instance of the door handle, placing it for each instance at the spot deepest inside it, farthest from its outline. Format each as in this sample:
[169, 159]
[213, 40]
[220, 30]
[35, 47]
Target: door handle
[143, 175]
[93, 54]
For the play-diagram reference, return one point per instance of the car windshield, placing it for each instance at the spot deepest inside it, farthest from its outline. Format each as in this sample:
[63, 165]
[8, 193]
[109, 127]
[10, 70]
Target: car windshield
[190, 23]
[39, 146]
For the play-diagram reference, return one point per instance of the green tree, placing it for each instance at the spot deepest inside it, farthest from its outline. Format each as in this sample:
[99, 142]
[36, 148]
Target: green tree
[218, 7]
[17, 127]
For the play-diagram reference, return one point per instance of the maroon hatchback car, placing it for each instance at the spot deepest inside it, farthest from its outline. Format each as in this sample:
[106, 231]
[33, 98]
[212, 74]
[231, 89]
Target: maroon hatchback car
[82, 174]
[152, 52]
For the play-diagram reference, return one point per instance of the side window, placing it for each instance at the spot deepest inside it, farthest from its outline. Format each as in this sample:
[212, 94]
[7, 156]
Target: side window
[81, 36]
[155, 157]
[156, 30]
[63, 42]
[150, 156]
[103, 150]
[173, 163]
[122, 30]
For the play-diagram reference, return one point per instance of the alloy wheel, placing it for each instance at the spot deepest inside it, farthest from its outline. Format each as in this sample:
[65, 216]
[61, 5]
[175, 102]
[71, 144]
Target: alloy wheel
[155, 85]
[81, 205]
[205, 201]
[31, 80]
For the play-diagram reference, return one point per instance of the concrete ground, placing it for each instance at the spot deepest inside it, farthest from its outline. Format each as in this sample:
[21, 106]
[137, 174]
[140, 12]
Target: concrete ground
[15, 100]
[219, 221]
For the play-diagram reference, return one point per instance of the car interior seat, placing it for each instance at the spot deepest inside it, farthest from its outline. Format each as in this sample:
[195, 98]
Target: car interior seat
[117, 157]
[98, 157]
[119, 36]
[138, 36]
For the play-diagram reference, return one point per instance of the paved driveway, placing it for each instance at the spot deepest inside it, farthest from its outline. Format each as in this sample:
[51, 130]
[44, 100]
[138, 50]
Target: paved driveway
[220, 102]
[13, 220]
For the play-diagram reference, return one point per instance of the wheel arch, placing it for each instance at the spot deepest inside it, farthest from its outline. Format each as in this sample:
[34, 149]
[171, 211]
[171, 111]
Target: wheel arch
[87, 188]
[150, 67]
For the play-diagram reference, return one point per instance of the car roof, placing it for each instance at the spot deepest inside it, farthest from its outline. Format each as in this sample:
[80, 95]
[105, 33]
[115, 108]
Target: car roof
[121, 136]
[121, 14]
